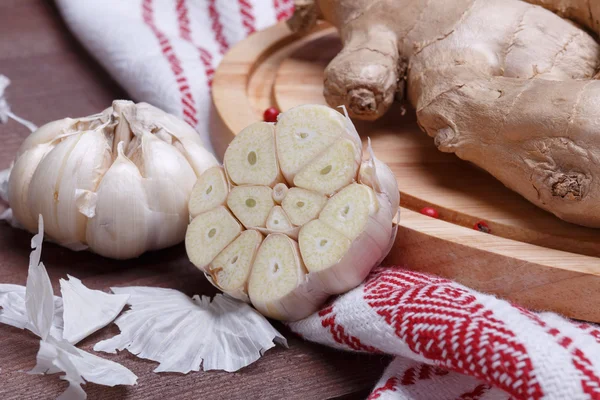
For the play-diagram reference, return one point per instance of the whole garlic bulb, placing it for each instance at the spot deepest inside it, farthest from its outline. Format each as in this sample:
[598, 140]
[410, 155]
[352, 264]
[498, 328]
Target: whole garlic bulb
[116, 183]
[294, 215]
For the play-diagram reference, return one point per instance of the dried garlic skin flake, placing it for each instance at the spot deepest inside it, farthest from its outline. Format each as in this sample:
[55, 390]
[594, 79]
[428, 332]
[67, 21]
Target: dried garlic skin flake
[35, 308]
[86, 310]
[117, 183]
[325, 213]
[222, 334]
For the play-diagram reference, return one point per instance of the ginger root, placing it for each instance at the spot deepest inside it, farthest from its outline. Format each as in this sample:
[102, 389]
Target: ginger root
[506, 84]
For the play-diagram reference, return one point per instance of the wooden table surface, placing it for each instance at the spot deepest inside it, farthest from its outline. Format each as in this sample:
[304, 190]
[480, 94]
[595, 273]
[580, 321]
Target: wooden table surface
[53, 77]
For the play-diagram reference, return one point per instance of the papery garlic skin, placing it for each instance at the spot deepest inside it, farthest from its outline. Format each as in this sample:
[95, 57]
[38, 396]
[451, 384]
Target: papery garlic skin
[117, 182]
[325, 227]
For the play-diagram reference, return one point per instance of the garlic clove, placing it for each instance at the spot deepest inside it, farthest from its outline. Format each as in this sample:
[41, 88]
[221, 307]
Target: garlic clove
[20, 184]
[304, 132]
[168, 181]
[251, 158]
[352, 268]
[200, 159]
[230, 270]
[121, 226]
[303, 205]
[208, 234]
[333, 170]
[348, 211]
[277, 282]
[321, 246]
[83, 168]
[44, 188]
[326, 243]
[333, 247]
[45, 134]
[210, 191]
[251, 204]
[278, 220]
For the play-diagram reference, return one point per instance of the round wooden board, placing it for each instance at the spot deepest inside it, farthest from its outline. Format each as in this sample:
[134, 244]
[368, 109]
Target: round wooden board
[531, 257]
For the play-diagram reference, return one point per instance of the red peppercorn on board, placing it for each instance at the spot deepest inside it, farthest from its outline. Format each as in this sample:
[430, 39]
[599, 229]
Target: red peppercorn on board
[484, 236]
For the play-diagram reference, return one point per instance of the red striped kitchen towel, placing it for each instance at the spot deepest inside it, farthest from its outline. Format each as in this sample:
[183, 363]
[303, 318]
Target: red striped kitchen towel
[450, 342]
[165, 52]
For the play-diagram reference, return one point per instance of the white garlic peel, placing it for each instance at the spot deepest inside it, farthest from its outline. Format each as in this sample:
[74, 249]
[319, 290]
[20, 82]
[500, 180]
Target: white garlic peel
[35, 308]
[5, 111]
[117, 183]
[294, 215]
[188, 334]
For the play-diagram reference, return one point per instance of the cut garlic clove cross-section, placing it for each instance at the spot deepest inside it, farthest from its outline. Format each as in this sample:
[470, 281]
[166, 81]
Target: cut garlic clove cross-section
[302, 205]
[230, 270]
[333, 170]
[323, 231]
[277, 281]
[349, 210]
[278, 220]
[251, 204]
[305, 132]
[210, 191]
[208, 234]
[251, 159]
[321, 245]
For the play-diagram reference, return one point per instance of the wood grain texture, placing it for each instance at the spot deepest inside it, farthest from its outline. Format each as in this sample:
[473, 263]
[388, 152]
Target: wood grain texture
[52, 77]
[531, 257]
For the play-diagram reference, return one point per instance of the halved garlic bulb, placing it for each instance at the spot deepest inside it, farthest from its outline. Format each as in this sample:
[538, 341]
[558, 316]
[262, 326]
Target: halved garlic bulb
[117, 183]
[294, 215]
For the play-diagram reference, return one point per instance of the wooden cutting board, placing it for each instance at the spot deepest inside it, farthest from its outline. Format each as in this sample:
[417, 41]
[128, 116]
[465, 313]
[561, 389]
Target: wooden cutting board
[530, 257]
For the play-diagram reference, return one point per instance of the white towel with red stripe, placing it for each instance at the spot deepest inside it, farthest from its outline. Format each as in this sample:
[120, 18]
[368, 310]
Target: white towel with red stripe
[449, 342]
[452, 342]
[165, 52]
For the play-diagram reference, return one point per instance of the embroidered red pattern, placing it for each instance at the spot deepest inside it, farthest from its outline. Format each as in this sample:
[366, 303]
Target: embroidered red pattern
[185, 32]
[422, 372]
[590, 382]
[187, 101]
[476, 393]
[444, 323]
[338, 332]
[389, 386]
[217, 26]
[247, 15]
[592, 330]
